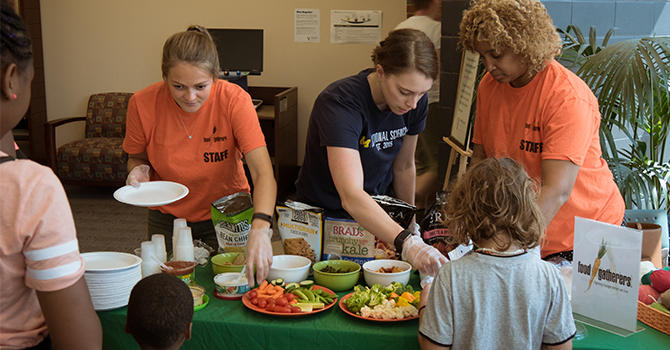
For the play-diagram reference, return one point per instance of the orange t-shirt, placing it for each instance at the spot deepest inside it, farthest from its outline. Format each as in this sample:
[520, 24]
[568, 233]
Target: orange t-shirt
[555, 116]
[38, 249]
[209, 164]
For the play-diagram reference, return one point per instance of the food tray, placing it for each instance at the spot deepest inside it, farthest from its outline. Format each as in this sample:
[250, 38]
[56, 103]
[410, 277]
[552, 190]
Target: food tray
[653, 318]
[247, 302]
[344, 308]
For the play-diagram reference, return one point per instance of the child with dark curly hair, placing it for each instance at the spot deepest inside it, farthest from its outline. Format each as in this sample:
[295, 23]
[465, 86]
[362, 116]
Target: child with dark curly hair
[160, 310]
[501, 296]
[534, 110]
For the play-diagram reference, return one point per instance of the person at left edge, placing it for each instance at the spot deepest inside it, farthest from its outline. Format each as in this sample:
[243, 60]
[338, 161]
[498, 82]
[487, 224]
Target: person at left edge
[194, 129]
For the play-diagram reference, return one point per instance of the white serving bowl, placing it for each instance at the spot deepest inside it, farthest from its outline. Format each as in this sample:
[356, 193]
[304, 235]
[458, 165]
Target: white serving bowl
[292, 268]
[372, 277]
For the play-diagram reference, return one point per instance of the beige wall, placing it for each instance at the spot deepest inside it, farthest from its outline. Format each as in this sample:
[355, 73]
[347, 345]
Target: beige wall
[100, 46]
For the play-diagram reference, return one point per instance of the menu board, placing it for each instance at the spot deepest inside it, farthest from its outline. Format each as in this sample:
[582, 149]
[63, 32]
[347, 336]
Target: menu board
[460, 127]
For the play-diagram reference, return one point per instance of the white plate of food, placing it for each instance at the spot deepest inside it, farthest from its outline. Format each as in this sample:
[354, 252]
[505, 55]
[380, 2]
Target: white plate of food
[151, 194]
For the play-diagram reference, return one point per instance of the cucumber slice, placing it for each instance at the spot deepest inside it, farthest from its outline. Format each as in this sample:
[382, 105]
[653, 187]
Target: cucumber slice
[291, 286]
[307, 284]
[278, 282]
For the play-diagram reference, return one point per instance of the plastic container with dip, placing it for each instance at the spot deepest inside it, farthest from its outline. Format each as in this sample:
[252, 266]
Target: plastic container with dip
[198, 293]
[185, 270]
[226, 289]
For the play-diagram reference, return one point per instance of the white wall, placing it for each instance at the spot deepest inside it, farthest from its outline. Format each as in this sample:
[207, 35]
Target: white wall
[100, 46]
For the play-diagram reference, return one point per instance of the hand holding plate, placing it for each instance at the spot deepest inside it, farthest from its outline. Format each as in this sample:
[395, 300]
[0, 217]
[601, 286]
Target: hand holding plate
[139, 174]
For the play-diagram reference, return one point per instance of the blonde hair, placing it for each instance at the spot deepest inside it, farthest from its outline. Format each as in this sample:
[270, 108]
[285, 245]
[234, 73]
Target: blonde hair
[193, 46]
[523, 26]
[496, 199]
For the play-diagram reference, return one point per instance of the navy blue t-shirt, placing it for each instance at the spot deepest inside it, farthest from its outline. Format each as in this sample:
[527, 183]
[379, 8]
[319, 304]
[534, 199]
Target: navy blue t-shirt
[345, 115]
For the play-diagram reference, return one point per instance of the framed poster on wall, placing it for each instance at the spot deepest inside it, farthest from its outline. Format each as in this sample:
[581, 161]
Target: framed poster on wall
[460, 127]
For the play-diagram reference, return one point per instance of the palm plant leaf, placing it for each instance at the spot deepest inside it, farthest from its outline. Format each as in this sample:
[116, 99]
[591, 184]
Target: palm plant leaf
[631, 80]
[629, 75]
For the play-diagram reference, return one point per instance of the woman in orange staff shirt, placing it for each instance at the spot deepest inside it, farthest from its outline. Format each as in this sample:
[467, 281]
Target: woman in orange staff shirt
[193, 128]
[532, 109]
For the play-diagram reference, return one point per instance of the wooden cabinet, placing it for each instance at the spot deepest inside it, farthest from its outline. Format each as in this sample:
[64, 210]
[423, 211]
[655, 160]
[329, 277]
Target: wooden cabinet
[278, 115]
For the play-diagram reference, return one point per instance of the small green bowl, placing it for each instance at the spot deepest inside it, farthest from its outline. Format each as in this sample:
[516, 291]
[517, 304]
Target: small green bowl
[337, 282]
[219, 260]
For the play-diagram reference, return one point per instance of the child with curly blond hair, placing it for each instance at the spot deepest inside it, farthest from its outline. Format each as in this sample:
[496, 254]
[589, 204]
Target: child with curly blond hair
[534, 110]
[501, 296]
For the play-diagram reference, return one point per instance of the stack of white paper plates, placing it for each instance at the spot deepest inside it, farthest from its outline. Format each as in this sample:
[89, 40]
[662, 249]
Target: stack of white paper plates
[110, 277]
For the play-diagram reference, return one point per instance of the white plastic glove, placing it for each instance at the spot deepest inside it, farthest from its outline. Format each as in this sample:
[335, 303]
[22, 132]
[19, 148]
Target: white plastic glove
[426, 280]
[415, 229]
[139, 174]
[259, 252]
[425, 258]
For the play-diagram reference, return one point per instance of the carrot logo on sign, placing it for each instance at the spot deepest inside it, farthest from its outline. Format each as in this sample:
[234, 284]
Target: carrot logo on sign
[596, 264]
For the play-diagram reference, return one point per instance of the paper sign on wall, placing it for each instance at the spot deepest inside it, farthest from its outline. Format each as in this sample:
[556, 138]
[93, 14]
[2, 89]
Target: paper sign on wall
[606, 275]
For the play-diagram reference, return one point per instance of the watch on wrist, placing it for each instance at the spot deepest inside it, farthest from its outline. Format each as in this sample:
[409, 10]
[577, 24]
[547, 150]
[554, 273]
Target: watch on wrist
[400, 239]
[264, 217]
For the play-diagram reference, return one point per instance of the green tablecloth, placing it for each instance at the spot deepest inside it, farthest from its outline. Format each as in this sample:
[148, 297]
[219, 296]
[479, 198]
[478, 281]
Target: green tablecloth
[228, 324]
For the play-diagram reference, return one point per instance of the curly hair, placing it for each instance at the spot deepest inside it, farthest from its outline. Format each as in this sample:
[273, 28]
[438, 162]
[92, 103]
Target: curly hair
[194, 46]
[405, 50]
[496, 199]
[160, 310]
[523, 26]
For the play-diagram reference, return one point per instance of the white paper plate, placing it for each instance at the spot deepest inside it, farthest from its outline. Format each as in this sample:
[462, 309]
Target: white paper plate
[151, 194]
[110, 261]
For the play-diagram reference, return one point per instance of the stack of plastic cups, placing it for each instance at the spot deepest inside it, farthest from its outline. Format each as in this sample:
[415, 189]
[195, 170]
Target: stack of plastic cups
[150, 263]
[159, 245]
[184, 248]
[178, 223]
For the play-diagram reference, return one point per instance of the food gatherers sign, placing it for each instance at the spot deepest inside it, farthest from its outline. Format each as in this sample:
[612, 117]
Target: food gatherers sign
[605, 270]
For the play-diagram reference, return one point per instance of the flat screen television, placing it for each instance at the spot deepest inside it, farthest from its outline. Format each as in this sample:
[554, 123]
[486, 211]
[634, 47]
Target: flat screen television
[239, 49]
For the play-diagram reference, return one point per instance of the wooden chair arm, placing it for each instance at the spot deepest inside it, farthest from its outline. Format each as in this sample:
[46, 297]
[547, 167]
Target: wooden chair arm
[50, 138]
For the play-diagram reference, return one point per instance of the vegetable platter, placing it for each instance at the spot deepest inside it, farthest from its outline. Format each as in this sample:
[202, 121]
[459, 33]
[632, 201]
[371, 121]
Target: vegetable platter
[290, 300]
[393, 303]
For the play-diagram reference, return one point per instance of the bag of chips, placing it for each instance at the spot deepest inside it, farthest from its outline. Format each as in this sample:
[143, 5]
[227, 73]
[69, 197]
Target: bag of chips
[300, 228]
[231, 216]
[402, 213]
[433, 231]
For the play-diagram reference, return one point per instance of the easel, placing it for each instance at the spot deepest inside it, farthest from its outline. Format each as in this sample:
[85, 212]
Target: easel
[462, 164]
[460, 127]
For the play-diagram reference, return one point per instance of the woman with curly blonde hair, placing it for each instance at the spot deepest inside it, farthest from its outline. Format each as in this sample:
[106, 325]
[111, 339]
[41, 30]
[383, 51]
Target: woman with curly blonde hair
[534, 110]
[495, 206]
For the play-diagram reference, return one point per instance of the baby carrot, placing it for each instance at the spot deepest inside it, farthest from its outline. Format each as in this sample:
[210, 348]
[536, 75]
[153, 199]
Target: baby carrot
[270, 289]
[263, 286]
[596, 264]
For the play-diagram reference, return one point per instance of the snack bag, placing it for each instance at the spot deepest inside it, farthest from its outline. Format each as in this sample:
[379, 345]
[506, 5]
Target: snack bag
[300, 227]
[346, 240]
[433, 231]
[231, 216]
[402, 213]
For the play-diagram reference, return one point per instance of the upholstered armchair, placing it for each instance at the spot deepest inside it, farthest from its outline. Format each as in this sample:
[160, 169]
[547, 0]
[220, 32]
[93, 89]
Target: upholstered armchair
[98, 158]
